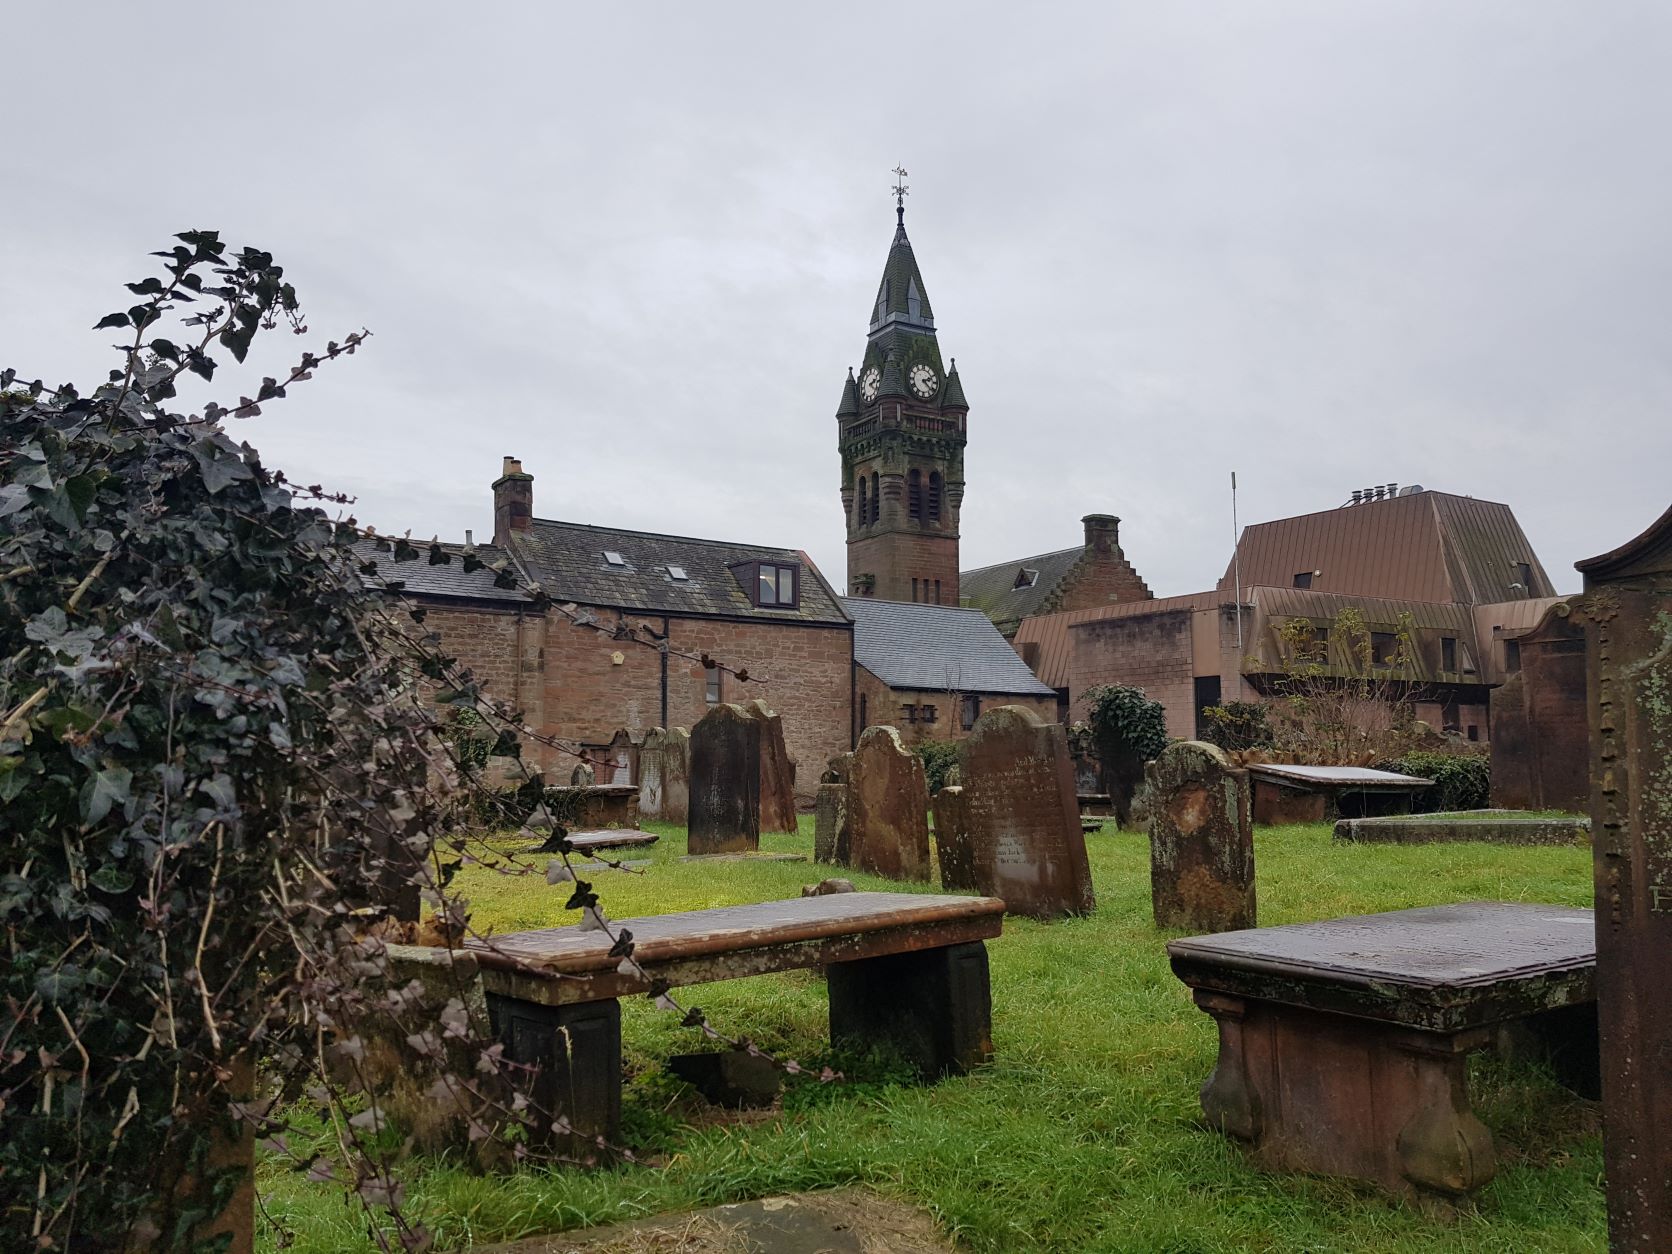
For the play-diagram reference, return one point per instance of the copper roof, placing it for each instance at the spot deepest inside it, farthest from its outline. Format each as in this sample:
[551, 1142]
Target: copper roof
[1427, 546]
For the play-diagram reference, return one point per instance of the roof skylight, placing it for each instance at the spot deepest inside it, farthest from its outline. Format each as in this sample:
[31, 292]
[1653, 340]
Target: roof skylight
[614, 558]
[677, 572]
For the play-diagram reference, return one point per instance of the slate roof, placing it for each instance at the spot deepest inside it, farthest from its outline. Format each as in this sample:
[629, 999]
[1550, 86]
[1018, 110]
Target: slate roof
[902, 291]
[567, 561]
[937, 648]
[993, 591]
[440, 580]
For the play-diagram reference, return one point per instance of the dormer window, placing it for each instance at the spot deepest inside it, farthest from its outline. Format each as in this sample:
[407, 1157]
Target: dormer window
[775, 586]
[612, 558]
[1025, 578]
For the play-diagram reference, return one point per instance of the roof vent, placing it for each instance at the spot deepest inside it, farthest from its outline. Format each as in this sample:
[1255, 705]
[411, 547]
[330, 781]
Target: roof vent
[614, 558]
[678, 573]
[1410, 489]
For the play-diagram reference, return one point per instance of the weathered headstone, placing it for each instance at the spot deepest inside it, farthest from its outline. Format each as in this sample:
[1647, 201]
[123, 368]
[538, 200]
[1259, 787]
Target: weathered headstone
[1626, 611]
[830, 824]
[838, 769]
[1021, 816]
[665, 775]
[888, 808]
[777, 786]
[583, 776]
[952, 844]
[725, 782]
[1201, 840]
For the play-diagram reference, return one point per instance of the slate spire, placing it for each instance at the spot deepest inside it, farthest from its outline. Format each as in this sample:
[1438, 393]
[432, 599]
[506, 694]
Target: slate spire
[952, 392]
[850, 398]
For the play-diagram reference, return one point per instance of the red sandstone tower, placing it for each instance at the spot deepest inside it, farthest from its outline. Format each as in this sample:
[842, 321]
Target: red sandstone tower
[901, 432]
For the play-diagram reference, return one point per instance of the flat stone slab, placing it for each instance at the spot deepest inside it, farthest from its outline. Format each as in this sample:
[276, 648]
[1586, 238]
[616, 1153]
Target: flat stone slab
[631, 864]
[1498, 827]
[611, 838]
[838, 1221]
[1439, 968]
[744, 857]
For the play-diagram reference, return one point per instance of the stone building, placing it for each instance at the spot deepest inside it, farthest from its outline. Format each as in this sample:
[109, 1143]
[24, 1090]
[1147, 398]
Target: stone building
[1095, 574]
[929, 670]
[1457, 575]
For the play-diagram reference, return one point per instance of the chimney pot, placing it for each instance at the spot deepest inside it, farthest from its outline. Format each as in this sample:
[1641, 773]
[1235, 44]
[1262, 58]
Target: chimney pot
[1357, 496]
[513, 501]
[1102, 532]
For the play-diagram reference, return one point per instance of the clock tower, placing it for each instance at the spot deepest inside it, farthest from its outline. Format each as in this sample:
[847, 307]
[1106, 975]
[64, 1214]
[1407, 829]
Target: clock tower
[900, 429]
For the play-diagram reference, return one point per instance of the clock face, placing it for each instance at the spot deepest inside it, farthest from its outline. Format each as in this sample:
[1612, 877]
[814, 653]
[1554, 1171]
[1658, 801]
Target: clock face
[924, 381]
[869, 382]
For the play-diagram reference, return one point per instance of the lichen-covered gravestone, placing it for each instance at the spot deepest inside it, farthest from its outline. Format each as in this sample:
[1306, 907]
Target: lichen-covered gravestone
[1626, 611]
[777, 786]
[830, 824]
[1201, 840]
[725, 782]
[1021, 824]
[888, 808]
[952, 844]
[665, 775]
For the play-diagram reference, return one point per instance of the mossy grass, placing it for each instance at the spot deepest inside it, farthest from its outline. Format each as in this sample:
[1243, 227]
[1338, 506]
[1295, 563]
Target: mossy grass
[1083, 1135]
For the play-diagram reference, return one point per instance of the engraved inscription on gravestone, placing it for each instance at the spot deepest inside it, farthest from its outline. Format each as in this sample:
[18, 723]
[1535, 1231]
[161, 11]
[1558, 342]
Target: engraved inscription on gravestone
[1626, 611]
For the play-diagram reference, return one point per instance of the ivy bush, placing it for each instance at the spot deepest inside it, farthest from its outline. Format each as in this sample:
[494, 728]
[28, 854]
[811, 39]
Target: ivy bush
[1237, 726]
[939, 757]
[1128, 729]
[1462, 781]
[216, 774]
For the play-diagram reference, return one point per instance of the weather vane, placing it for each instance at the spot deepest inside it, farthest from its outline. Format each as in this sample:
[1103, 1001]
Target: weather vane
[901, 191]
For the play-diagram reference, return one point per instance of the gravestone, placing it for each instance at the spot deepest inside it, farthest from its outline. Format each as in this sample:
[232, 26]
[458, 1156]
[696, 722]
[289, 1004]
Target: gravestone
[1201, 840]
[888, 808]
[777, 786]
[830, 824]
[1626, 611]
[836, 771]
[665, 775]
[725, 782]
[952, 846]
[582, 776]
[1022, 837]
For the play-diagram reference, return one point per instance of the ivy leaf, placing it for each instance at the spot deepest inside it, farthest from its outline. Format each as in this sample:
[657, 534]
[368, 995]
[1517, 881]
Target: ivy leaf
[103, 791]
[111, 320]
[219, 469]
[111, 879]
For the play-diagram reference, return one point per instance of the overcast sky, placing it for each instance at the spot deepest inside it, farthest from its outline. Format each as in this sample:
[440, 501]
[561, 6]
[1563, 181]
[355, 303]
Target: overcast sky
[1322, 244]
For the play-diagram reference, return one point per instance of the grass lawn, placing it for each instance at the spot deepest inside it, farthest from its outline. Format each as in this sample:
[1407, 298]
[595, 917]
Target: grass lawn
[1084, 1133]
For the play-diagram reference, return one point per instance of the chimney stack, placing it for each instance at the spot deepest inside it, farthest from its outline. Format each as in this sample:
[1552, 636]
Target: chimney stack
[513, 501]
[1102, 533]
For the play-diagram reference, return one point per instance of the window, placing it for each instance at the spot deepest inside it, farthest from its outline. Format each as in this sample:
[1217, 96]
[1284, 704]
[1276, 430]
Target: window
[1384, 648]
[862, 510]
[1303, 579]
[1025, 578]
[613, 558]
[864, 712]
[775, 585]
[935, 485]
[914, 589]
[712, 674]
[876, 497]
[1474, 732]
[908, 714]
[970, 712]
[1448, 653]
[678, 574]
[1524, 576]
[926, 713]
[914, 493]
[937, 592]
[1512, 656]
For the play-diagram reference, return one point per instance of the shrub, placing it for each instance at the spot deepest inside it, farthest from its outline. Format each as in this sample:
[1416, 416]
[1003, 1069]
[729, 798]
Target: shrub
[1462, 781]
[1237, 725]
[939, 757]
[1129, 729]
